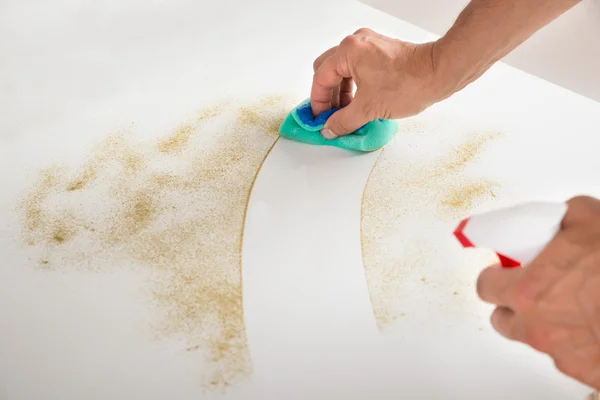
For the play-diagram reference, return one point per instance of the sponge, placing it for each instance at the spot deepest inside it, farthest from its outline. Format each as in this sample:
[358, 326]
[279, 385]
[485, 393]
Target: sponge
[300, 125]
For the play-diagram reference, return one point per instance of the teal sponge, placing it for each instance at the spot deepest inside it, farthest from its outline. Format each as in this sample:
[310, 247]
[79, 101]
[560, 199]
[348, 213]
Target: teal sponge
[300, 125]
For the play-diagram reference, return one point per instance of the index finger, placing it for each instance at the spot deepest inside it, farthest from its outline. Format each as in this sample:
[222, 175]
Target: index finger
[325, 79]
[324, 57]
[494, 284]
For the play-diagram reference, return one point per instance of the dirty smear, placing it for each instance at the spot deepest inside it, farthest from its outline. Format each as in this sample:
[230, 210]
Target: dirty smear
[409, 206]
[175, 207]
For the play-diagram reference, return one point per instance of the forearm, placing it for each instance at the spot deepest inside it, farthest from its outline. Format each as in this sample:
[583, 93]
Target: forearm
[485, 32]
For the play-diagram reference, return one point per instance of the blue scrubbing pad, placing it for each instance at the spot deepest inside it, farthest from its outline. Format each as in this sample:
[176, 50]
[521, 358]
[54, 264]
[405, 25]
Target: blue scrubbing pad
[300, 125]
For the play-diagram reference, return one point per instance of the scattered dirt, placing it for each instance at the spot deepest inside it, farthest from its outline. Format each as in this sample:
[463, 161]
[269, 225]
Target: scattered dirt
[408, 211]
[176, 208]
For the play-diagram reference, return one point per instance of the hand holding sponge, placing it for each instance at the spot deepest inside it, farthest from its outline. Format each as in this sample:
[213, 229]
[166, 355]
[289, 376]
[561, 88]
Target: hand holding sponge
[300, 125]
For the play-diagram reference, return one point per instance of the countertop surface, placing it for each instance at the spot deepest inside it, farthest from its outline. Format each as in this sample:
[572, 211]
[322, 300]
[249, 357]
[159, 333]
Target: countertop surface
[159, 241]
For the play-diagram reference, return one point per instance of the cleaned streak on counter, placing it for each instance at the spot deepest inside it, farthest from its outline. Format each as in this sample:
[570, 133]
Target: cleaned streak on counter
[176, 206]
[404, 203]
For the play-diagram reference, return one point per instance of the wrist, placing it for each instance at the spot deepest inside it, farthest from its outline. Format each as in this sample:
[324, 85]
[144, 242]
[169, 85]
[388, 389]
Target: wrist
[442, 75]
[448, 76]
[433, 85]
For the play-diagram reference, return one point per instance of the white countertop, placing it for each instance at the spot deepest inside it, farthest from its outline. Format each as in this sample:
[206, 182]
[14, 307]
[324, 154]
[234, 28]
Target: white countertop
[73, 73]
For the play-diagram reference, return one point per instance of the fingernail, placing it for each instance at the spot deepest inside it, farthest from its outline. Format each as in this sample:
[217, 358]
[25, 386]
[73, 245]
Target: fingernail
[328, 134]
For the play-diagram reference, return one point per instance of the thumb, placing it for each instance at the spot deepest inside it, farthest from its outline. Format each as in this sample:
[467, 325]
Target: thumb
[346, 120]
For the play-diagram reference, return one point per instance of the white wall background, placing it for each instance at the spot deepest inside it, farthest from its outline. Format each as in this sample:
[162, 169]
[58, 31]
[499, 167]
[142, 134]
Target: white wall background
[566, 52]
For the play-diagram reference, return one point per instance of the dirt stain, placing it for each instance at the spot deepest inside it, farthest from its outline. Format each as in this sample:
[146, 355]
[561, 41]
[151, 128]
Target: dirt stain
[407, 210]
[463, 197]
[88, 175]
[177, 141]
[182, 223]
[465, 153]
[252, 115]
[32, 206]
[61, 234]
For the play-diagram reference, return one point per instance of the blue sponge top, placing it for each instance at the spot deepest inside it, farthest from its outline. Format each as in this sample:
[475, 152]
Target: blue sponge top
[308, 121]
[304, 116]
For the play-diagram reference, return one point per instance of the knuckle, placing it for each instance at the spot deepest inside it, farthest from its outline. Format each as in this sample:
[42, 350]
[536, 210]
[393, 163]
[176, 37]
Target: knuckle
[364, 31]
[350, 42]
